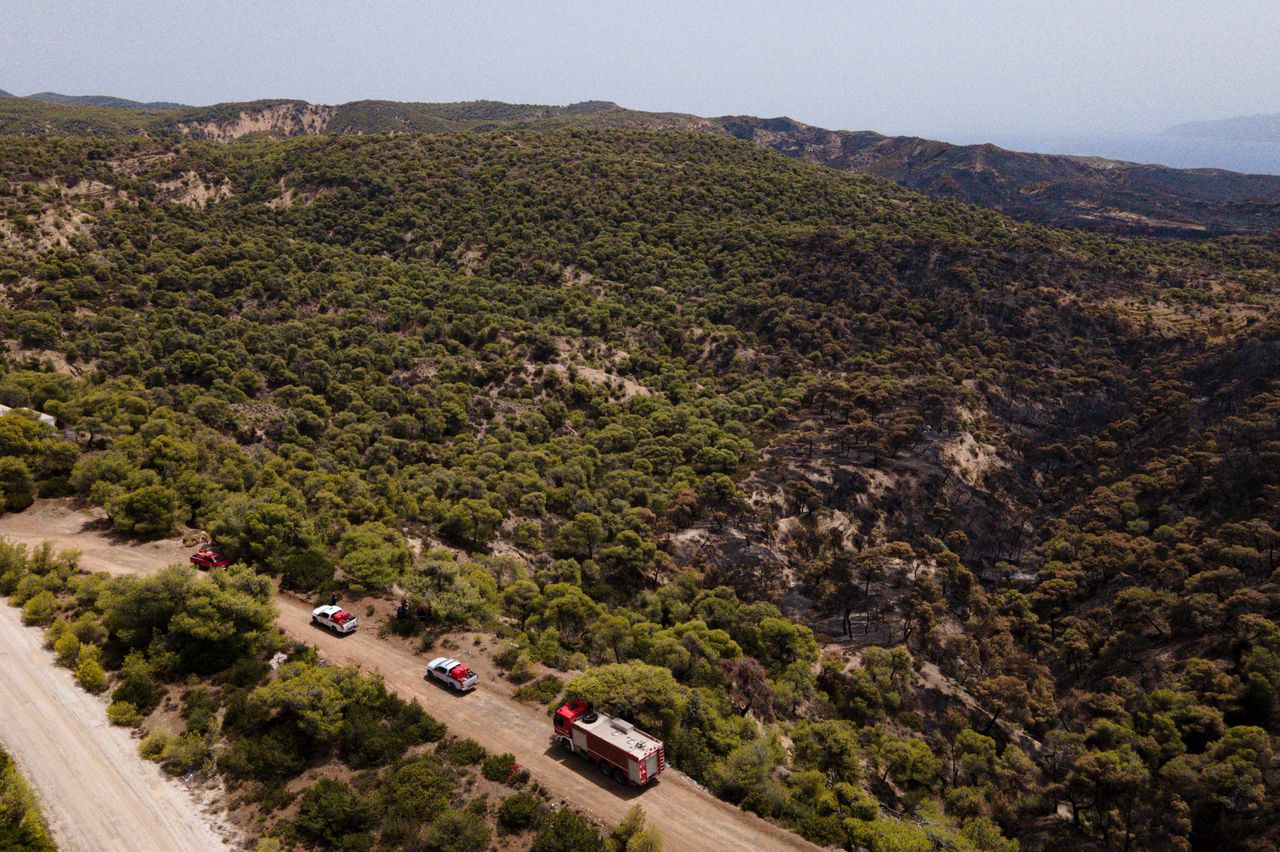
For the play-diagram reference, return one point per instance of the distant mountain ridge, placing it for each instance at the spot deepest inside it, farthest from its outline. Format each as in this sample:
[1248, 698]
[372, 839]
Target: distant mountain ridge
[1241, 128]
[1053, 189]
[100, 101]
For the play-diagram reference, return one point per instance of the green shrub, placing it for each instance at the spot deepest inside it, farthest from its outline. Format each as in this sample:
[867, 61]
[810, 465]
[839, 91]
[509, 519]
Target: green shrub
[409, 793]
[89, 630]
[199, 710]
[332, 815]
[540, 691]
[498, 767]
[17, 485]
[23, 829]
[124, 714]
[272, 757]
[306, 572]
[67, 649]
[153, 745]
[453, 831]
[465, 752]
[507, 657]
[40, 609]
[90, 675]
[567, 830]
[374, 733]
[373, 554]
[187, 752]
[519, 813]
[137, 684]
[55, 631]
[632, 835]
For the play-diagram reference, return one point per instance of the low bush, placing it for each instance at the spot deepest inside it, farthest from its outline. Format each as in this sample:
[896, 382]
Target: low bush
[519, 813]
[124, 714]
[498, 767]
[567, 830]
[332, 815]
[465, 752]
[454, 831]
[40, 609]
[540, 691]
[154, 744]
[90, 675]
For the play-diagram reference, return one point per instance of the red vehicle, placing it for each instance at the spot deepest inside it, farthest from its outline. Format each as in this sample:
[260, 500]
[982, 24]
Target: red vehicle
[620, 749]
[207, 557]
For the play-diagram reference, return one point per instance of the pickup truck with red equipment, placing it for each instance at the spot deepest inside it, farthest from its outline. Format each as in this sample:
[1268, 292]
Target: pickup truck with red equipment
[335, 618]
[620, 749]
[452, 673]
[207, 558]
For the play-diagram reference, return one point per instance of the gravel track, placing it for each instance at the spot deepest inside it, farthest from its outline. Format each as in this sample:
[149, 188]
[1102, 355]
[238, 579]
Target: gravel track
[95, 790]
[689, 817]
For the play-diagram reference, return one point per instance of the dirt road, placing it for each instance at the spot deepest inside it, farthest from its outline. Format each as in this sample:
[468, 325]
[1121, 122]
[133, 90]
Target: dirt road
[97, 793]
[689, 817]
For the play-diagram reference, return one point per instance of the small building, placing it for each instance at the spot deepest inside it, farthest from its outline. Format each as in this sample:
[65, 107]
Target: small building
[46, 419]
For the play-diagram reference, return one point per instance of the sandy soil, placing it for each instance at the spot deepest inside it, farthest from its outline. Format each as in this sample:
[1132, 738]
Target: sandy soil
[97, 793]
[689, 817]
[67, 527]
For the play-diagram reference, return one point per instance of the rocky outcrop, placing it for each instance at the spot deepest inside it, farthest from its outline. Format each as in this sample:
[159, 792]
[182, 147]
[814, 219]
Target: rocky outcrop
[293, 118]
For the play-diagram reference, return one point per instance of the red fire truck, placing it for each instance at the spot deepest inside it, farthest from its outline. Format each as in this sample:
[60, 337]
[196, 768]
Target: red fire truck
[620, 749]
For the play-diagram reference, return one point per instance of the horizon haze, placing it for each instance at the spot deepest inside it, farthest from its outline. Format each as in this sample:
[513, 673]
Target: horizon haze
[901, 69]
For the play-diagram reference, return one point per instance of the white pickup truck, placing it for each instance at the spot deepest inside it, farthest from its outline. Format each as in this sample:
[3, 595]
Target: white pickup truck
[335, 618]
[452, 673]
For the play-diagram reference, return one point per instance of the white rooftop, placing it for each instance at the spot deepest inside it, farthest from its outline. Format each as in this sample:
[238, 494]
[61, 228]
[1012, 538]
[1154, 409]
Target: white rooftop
[46, 419]
[622, 734]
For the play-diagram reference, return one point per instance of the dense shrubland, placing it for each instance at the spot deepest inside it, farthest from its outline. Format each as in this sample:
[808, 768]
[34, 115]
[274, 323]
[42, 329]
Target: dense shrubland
[200, 645]
[545, 356]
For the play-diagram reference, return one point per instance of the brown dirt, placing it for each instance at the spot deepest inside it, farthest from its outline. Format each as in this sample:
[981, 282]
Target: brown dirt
[97, 793]
[68, 527]
[689, 817]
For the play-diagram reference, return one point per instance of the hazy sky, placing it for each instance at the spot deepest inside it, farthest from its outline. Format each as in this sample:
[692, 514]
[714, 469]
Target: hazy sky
[932, 68]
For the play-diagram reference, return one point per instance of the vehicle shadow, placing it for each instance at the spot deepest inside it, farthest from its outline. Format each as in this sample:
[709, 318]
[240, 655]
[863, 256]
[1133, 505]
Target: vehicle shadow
[449, 690]
[331, 632]
[587, 770]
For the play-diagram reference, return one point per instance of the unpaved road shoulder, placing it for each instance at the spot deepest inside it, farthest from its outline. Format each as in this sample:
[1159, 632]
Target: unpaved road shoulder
[96, 792]
[689, 818]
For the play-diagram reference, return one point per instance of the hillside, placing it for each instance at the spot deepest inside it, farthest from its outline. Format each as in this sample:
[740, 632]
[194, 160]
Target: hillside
[1082, 192]
[1243, 128]
[904, 524]
[100, 101]
[1057, 190]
